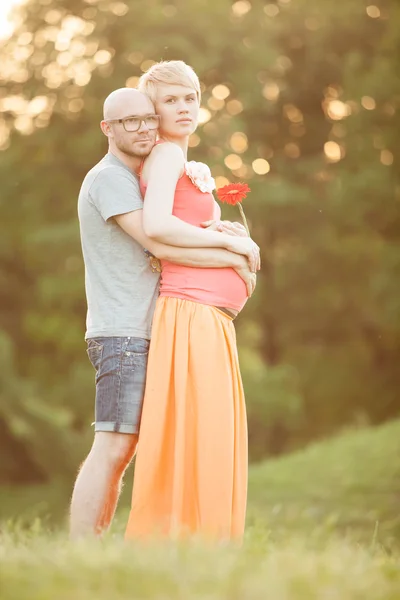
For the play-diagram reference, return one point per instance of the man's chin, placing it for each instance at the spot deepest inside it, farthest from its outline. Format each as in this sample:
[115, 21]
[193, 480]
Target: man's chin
[139, 151]
[143, 148]
[144, 152]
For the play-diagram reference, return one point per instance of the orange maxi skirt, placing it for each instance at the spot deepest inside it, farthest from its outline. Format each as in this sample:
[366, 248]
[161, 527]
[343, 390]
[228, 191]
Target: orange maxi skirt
[191, 463]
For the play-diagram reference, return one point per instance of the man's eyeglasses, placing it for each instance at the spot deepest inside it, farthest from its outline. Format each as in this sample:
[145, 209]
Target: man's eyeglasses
[131, 124]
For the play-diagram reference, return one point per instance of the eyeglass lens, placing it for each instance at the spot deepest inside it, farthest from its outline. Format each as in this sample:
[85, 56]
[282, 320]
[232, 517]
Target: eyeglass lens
[134, 123]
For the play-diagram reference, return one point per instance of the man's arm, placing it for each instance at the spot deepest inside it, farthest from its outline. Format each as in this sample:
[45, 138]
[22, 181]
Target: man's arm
[132, 224]
[209, 257]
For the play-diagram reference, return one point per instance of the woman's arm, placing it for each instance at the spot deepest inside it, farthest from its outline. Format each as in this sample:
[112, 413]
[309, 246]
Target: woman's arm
[162, 171]
[131, 223]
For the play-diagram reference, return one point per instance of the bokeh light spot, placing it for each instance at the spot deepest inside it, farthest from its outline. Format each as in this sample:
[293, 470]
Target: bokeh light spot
[204, 115]
[387, 158]
[271, 10]
[194, 140]
[221, 92]
[234, 107]
[147, 64]
[271, 91]
[132, 82]
[119, 9]
[215, 104]
[337, 110]
[239, 142]
[368, 103]
[333, 151]
[241, 8]
[373, 11]
[220, 181]
[261, 166]
[292, 150]
[233, 161]
[102, 57]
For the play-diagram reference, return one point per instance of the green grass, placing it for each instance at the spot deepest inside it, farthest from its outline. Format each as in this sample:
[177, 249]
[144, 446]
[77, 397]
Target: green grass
[48, 568]
[323, 523]
[348, 485]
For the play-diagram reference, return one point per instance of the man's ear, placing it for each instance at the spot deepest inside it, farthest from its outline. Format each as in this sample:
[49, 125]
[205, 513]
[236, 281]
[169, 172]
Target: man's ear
[106, 129]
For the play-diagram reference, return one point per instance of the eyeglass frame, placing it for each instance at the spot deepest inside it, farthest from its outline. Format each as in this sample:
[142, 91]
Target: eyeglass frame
[142, 120]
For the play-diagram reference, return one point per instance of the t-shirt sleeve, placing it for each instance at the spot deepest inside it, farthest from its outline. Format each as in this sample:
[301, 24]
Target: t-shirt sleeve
[115, 192]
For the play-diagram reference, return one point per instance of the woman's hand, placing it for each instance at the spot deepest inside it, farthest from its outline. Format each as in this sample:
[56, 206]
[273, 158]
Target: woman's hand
[226, 227]
[241, 242]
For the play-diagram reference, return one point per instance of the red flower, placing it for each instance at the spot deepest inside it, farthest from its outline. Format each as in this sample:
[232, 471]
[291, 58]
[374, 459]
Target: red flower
[233, 193]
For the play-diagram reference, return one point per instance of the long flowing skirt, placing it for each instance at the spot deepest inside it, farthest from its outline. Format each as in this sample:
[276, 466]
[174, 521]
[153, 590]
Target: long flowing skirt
[191, 464]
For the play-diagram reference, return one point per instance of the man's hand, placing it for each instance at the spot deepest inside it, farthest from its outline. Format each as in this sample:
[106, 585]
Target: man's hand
[228, 227]
[247, 247]
[250, 279]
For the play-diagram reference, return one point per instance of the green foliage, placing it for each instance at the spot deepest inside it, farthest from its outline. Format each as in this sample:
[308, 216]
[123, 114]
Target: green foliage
[324, 322]
[276, 410]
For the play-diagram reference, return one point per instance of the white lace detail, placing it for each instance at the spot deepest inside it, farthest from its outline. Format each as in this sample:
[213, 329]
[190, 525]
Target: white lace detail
[200, 175]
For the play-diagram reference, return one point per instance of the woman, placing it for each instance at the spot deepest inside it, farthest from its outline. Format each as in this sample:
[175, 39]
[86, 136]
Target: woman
[191, 464]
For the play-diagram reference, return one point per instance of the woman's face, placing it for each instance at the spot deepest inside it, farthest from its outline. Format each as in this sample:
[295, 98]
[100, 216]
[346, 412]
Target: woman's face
[178, 108]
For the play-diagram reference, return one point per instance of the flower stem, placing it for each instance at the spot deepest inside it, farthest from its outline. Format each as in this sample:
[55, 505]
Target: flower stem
[244, 218]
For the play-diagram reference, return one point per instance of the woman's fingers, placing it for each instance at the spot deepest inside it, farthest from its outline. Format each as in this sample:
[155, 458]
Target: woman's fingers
[239, 229]
[212, 225]
[233, 228]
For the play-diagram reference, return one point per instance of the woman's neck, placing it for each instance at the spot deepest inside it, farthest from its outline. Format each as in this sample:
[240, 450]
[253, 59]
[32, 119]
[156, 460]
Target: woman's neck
[183, 143]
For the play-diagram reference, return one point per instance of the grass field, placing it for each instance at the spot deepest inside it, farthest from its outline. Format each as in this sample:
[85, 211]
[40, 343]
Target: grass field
[323, 523]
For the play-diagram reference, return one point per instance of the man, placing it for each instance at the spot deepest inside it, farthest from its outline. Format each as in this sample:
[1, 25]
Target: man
[121, 290]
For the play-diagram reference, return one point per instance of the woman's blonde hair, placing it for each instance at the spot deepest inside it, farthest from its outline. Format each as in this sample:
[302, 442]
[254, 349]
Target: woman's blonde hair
[168, 72]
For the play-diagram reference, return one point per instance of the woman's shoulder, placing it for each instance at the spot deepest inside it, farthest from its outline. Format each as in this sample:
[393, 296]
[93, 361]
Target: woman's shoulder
[167, 154]
[167, 150]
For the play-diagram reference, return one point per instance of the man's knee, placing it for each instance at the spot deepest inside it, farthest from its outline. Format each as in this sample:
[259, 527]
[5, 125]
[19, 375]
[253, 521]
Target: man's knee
[115, 449]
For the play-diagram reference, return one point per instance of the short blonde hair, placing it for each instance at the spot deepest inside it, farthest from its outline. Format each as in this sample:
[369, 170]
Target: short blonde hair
[168, 72]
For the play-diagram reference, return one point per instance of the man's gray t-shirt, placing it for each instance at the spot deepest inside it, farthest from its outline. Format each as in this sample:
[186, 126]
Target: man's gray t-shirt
[121, 289]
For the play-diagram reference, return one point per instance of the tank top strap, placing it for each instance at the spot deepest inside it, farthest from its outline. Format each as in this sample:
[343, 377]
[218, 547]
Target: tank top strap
[139, 172]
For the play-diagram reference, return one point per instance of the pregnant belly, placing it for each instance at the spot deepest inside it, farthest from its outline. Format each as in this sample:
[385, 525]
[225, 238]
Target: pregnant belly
[217, 287]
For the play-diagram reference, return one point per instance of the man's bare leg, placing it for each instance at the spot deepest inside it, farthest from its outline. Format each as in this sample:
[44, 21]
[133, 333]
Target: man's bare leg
[111, 503]
[97, 487]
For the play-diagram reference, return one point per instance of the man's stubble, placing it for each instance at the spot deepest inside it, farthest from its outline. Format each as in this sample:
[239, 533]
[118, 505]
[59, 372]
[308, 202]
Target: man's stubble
[130, 150]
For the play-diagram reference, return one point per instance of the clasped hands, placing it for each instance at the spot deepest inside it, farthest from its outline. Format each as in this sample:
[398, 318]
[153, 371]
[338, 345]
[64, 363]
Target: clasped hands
[241, 244]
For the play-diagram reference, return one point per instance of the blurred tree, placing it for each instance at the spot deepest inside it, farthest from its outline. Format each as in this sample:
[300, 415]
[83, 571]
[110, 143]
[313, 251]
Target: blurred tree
[301, 100]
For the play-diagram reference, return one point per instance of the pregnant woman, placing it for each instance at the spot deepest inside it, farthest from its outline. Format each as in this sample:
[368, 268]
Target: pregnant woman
[191, 464]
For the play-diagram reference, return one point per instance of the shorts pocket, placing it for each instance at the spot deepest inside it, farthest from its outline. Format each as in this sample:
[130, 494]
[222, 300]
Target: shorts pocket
[95, 353]
[136, 346]
[135, 352]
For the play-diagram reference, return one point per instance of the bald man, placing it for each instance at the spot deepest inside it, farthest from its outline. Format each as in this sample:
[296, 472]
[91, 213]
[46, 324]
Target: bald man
[121, 290]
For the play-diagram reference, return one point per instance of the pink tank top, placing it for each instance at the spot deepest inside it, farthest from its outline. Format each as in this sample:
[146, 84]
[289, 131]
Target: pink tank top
[221, 287]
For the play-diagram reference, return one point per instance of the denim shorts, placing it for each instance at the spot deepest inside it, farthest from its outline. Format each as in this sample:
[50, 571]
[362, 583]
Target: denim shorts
[120, 364]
